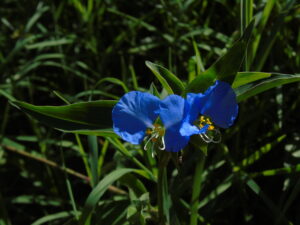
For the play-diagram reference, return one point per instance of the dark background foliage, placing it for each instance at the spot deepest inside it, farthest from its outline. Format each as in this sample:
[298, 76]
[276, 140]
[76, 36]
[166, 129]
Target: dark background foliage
[69, 46]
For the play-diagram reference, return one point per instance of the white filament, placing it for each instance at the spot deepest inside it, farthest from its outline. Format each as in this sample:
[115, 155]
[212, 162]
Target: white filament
[152, 136]
[206, 138]
[163, 147]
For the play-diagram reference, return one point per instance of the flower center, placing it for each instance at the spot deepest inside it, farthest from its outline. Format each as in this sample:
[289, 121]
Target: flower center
[212, 134]
[155, 135]
[204, 121]
[157, 129]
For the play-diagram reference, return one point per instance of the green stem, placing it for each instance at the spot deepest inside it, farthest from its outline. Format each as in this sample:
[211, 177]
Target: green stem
[162, 187]
[197, 190]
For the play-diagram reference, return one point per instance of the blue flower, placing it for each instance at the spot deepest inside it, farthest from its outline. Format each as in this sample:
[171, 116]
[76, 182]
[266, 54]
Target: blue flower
[174, 111]
[134, 114]
[217, 106]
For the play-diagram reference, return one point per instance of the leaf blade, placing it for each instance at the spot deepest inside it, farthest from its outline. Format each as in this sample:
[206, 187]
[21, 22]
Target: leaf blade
[168, 80]
[257, 87]
[99, 190]
[226, 67]
[83, 118]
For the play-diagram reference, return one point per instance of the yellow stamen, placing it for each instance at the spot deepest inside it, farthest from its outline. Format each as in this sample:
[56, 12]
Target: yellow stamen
[203, 121]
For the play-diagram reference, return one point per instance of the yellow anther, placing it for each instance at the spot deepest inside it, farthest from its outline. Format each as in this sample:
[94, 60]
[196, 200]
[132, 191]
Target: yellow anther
[158, 129]
[203, 121]
[211, 127]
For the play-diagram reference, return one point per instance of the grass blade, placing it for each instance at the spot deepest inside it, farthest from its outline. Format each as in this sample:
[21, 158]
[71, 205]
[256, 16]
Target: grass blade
[52, 217]
[225, 68]
[92, 116]
[168, 80]
[254, 88]
[99, 190]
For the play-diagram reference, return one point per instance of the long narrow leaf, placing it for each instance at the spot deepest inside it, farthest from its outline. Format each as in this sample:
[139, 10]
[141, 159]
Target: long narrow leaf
[168, 80]
[51, 217]
[254, 88]
[85, 118]
[226, 67]
[99, 190]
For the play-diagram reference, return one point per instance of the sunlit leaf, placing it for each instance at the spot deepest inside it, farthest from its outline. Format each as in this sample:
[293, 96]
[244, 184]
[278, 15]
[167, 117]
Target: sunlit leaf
[274, 80]
[168, 80]
[99, 190]
[91, 118]
[225, 68]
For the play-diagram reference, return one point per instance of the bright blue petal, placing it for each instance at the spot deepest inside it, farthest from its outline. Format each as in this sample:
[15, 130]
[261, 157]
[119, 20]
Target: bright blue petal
[193, 101]
[220, 104]
[174, 141]
[173, 109]
[133, 114]
[188, 129]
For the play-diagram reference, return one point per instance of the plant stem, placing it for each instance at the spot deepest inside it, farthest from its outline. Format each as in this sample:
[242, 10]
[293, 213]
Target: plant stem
[162, 187]
[47, 162]
[197, 190]
[62, 168]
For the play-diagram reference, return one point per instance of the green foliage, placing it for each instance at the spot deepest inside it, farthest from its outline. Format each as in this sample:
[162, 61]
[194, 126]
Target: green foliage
[225, 68]
[88, 54]
[167, 79]
[91, 117]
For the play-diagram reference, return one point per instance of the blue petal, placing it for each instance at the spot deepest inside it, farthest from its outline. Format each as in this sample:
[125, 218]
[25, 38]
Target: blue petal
[173, 109]
[188, 129]
[133, 114]
[220, 104]
[174, 141]
[193, 101]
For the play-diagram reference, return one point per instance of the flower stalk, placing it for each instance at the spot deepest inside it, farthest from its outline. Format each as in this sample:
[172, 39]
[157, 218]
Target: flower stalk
[162, 188]
[197, 189]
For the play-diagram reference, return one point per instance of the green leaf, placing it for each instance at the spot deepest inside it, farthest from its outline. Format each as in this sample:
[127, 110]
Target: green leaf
[113, 81]
[200, 67]
[243, 78]
[225, 68]
[90, 118]
[93, 158]
[134, 183]
[99, 190]
[274, 80]
[153, 90]
[277, 171]
[262, 151]
[168, 80]
[220, 189]
[51, 217]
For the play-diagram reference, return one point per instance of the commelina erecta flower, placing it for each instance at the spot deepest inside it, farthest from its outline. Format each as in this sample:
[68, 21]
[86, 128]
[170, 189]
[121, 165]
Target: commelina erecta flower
[217, 107]
[141, 116]
[135, 117]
